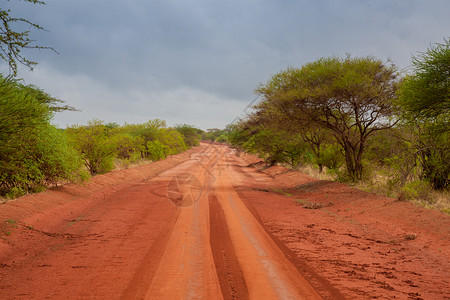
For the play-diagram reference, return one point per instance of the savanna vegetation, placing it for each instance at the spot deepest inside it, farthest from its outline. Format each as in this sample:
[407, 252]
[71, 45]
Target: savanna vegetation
[34, 154]
[355, 119]
[359, 120]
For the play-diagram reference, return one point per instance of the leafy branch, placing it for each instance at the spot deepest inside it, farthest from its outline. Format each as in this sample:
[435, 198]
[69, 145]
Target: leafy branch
[13, 41]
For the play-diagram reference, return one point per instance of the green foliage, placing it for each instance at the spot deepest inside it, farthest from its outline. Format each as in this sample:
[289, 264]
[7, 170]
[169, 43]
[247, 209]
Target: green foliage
[274, 146]
[417, 189]
[433, 153]
[331, 157]
[95, 145]
[268, 145]
[223, 138]
[425, 107]
[57, 158]
[126, 145]
[172, 139]
[426, 93]
[157, 150]
[191, 134]
[33, 153]
[156, 130]
[348, 99]
[212, 134]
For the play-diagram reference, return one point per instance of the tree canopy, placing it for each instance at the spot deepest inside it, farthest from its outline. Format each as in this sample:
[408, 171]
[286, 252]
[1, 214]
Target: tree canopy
[426, 93]
[425, 107]
[350, 97]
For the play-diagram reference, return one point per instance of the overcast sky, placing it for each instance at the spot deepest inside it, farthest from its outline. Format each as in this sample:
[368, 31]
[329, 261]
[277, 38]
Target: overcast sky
[198, 61]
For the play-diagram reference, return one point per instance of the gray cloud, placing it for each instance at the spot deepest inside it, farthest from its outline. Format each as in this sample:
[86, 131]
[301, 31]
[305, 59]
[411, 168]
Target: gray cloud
[198, 61]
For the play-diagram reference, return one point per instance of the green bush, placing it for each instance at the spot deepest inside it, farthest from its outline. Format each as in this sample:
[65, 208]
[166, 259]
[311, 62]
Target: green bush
[172, 139]
[190, 134]
[331, 157]
[33, 153]
[127, 145]
[157, 150]
[417, 189]
[95, 145]
[58, 160]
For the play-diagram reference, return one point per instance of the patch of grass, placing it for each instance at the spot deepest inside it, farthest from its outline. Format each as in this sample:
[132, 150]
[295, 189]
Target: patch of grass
[10, 223]
[123, 164]
[383, 182]
[313, 171]
[280, 191]
[299, 201]
[416, 191]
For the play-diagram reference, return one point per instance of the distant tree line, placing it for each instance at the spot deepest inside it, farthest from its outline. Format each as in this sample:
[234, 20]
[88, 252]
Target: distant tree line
[355, 115]
[35, 154]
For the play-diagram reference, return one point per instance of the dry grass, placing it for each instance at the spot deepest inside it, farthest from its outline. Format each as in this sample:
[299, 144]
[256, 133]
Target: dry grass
[417, 192]
[381, 184]
[123, 164]
[437, 200]
[314, 172]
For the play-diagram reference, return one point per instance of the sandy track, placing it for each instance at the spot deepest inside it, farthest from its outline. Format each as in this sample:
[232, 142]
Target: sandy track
[184, 234]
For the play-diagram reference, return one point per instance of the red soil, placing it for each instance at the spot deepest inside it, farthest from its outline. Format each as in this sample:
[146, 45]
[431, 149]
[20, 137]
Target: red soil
[364, 245]
[203, 224]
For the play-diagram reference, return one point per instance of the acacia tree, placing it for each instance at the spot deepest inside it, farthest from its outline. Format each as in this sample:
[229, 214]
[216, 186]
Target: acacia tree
[13, 41]
[350, 97]
[426, 93]
[425, 99]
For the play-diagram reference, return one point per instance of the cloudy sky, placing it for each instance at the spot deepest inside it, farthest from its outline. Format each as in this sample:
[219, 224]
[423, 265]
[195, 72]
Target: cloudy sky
[198, 61]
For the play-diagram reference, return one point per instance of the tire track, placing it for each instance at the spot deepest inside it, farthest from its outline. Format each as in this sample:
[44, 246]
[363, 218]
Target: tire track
[228, 269]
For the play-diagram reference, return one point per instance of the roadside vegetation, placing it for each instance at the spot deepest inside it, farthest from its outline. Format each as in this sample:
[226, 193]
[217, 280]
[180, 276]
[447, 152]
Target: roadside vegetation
[358, 120]
[34, 154]
[353, 119]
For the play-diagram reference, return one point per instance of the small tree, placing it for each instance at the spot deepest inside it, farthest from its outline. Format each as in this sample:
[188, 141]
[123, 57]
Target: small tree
[95, 146]
[351, 98]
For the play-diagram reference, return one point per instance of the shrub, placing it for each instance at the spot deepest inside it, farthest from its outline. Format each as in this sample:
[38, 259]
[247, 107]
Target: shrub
[157, 150]
[94, 145]
[417, 189]
[33, 153]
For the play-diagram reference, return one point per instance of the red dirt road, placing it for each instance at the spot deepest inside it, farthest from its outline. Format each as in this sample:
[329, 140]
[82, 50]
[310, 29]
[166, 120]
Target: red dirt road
[204, 225]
